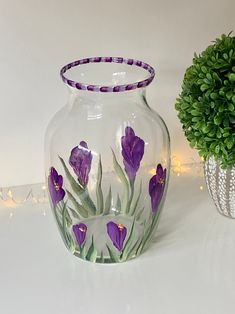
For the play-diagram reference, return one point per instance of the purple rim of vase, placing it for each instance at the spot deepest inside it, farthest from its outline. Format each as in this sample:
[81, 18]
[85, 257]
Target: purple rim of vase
[110, 88]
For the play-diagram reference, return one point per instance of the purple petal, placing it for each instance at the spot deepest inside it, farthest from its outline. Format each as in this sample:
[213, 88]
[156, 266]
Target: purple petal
[83, 144]
[156, 197]
[159, 170]
[80, 233]
[117, 233]
[60, 181]
[130, 170]
[132, 152]
[123, 233]
[152, 184]
[129, 132]
[80, 160]
[156, 187]
[164, 174]
[53, 174]
[55, 183]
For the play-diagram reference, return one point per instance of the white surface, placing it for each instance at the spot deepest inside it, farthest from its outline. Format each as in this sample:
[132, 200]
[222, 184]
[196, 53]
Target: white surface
[38, 37]
[189, 268]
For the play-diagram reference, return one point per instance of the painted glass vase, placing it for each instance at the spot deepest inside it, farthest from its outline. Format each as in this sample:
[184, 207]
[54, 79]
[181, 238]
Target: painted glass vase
[107, 160]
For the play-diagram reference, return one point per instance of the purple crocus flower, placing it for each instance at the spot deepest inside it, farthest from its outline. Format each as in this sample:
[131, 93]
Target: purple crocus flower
[55, 183]
[156, 187]
[132, 152]
[117, 233]
[80, 160]
[80, 233]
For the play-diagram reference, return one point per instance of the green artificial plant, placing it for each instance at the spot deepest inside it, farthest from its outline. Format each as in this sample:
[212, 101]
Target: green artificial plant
[206, 105]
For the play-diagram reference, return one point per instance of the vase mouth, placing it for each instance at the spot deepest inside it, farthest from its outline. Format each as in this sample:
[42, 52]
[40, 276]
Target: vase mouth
[118, 76]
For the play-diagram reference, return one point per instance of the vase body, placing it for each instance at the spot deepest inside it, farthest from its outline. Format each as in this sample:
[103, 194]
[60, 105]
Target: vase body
[221, 186]
[107, 158]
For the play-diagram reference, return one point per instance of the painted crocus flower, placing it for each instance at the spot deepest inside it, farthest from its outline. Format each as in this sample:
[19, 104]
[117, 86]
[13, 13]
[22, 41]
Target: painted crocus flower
[156, 187]
[80, 160]
[117, 233]
[132, 152]
[55, 183]
[80, 233]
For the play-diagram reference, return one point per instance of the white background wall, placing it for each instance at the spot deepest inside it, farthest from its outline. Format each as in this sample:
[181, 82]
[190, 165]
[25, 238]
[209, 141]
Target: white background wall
[38, 37]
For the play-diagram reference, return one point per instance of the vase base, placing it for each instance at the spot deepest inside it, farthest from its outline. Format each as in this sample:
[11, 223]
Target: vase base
[100, 248]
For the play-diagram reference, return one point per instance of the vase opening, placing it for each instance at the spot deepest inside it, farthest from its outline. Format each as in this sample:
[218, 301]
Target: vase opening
[107, 74]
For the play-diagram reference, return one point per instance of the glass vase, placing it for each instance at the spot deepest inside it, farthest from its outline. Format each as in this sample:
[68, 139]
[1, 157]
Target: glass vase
[107, 160]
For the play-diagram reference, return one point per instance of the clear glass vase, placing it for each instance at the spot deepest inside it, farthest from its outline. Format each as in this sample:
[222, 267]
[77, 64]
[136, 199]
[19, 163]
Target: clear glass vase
[107, 160]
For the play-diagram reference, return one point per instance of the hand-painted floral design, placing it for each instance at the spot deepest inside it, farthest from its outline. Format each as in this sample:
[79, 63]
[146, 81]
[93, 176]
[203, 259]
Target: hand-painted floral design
[80, 233]
[117, 233]
[80, 160]
[132, 152]
[156, 187]
[79, 205]
[55, 183]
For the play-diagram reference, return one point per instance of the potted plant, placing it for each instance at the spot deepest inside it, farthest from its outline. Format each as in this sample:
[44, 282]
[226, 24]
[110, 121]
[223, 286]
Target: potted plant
[206, 109]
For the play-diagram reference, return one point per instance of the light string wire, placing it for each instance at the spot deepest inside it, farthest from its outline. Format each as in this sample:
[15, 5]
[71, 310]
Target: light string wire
[36, 193]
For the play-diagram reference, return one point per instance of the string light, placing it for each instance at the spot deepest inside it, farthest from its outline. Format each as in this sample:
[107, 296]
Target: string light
[9, 194]
[37, 193]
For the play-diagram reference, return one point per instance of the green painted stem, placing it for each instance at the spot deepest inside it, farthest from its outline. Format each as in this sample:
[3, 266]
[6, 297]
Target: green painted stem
[132, 188]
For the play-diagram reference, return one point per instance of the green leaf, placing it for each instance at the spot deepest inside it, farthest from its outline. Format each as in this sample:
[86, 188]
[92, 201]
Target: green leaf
[134, 206]
[231, 77]
[229, 142]
[218, 120]
[114, 257]
[204, 69]
[83, 251]
[214, 96]
[195, 113]
[108, 202]
[79, 190]
[118, 205]
[99, 193]
[92, 252]
[80, 210]
[74, 184]
[204, 87]
[64, 226]
[225, 56]
[124, 181]
[139, 214]
[58, 220]
[150, 230]
[217, 149]
[231, 107]
[74, 213]
[133, 250]
[128, 243]
[132, 188]
[101, 257]
[233, 99]
[72, 247]
[229, 94]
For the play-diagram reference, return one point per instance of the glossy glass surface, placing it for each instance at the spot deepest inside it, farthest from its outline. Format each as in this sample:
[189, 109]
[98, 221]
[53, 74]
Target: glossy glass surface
[107, 166]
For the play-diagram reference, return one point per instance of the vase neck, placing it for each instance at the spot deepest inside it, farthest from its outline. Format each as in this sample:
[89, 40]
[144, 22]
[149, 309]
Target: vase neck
[76, 96]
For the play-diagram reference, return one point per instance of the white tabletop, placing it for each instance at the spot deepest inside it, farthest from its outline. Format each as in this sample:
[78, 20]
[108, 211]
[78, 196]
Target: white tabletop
[189, 269]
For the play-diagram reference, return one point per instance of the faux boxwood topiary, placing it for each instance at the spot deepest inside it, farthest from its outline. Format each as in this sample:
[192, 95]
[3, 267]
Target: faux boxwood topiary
[206, 105]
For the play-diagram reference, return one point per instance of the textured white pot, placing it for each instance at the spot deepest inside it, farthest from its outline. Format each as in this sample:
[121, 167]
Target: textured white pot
[221, 186]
